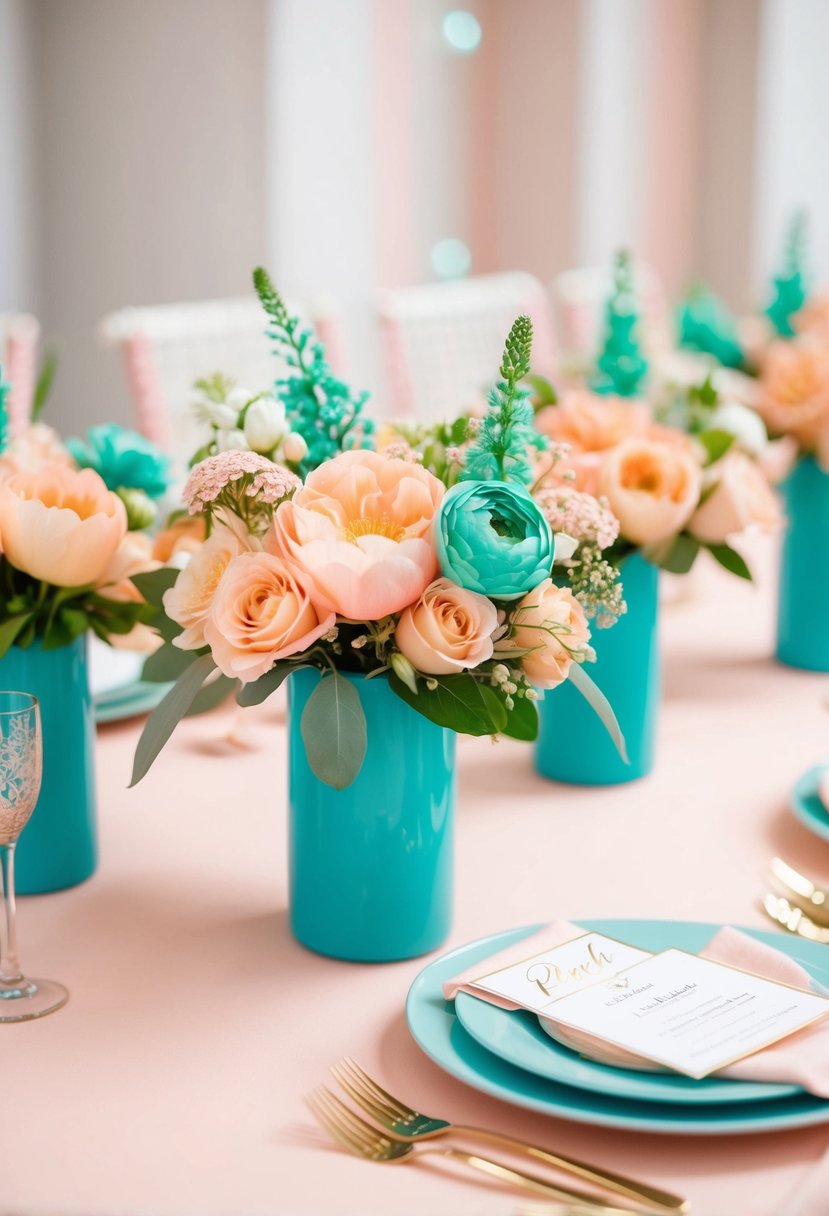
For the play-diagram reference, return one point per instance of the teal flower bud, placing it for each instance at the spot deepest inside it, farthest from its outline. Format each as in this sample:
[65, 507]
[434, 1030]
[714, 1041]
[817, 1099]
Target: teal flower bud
[492, 538]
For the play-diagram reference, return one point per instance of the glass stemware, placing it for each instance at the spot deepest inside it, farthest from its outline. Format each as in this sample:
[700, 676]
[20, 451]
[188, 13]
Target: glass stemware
[21, 768]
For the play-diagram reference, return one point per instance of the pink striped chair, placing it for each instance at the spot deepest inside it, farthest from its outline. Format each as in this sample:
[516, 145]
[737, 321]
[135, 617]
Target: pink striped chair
[166, 348]
[442, 342]
[19, 337]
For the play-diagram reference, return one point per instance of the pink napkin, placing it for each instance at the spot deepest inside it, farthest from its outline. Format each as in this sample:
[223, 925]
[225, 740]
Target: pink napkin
[802, 1058]
[810, 1196]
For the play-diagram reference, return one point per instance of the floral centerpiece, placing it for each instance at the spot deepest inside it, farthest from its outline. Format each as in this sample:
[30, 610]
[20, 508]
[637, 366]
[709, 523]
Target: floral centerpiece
[70, 551]
[408, 598]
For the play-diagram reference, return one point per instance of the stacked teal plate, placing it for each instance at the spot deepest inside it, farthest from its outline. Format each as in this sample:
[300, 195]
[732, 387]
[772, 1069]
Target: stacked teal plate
[807, 803]
[509, 1056]
[129, 701]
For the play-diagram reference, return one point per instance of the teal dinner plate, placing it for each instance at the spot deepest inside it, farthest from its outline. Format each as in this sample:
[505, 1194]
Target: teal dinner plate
[807, 804]
[129, 701]
[437, 1029]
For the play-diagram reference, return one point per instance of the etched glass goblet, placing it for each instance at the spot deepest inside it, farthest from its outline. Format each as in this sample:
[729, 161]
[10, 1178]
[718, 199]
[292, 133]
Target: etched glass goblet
[21, 768]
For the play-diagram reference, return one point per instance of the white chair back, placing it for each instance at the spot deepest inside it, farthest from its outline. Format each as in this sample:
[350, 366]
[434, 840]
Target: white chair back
[443, 341]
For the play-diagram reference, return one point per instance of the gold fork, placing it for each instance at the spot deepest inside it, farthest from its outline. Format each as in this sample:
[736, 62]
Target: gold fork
[410, 1125]
[801, 890]
[794, 919]
[364, 1140]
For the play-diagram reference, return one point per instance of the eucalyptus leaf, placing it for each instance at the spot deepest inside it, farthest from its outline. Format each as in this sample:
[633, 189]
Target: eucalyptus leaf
[167, 664]
[212, 694]
[154, 583]
[598, 702]
[333, 727]
[730, 559]
[167, 715]
[259, 690]
[458, 702]
[677, 556]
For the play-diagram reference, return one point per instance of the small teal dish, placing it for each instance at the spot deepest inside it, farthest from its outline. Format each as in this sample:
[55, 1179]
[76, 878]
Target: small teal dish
[59, 847]
[371, 866]
[803, 591]
[437, 1030]
[573, 745]
[807, 803]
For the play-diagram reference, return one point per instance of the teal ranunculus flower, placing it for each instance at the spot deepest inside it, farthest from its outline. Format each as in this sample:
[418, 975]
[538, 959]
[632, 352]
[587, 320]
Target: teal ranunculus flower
[492, 538]
[124, 459]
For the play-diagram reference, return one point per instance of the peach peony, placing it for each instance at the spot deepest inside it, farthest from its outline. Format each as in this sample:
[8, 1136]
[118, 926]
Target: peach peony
[740, 497]
[188, 602]
[550, 631]
[449, 629]
[793, 397]
[262, 612]
[60, 525]
[590, 422]
[652, 488]
[361, 529]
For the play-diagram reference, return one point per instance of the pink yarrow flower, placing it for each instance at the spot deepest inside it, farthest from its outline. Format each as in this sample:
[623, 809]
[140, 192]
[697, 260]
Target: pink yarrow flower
[262, 479]
[580, 515]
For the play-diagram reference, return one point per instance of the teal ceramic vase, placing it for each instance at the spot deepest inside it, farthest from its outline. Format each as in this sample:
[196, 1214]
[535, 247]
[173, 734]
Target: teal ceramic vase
[371, 866]
[59, 846]
[573, 746]
[803, 591]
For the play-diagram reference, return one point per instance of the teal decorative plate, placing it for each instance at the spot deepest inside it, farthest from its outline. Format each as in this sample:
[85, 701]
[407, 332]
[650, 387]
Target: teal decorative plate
[438, 1031]
[807, 804]
[131, 701]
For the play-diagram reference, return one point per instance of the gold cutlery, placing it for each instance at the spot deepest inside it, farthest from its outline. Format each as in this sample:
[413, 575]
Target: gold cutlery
[410, 1125]
[364, 1140]
[794, 919]
[569, 1209]
[801, 890]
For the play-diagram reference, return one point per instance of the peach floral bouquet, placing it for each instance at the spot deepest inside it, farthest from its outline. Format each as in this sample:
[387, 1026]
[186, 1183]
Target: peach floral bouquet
[673, 491]
[371, 564]
[71, 543]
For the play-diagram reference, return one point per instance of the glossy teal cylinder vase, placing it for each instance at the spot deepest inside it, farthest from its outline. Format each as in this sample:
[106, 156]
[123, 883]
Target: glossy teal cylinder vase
[371, 866]
[573, 747]
[59, 846]
[803, 590]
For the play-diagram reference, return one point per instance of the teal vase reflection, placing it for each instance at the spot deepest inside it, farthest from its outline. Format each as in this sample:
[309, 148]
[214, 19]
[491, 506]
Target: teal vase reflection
[371, 866]
[803, 591]
[573, 746]
[59, 847]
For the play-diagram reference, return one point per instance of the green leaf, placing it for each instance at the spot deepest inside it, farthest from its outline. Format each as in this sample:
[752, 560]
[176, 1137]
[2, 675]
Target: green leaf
[45, 380]
[677, 556]
[598, 702]
[459, 431]
[333, 728]
[9, 631]
[459, 702]
[154, 583]
[167, 715]
[259, 690]
[716, 443]
[522, 720]
[167, 664]
[730, 559]
[214, 693]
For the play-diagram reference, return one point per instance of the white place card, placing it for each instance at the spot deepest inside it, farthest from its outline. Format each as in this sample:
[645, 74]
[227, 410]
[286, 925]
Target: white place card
[687, 1013]
[537, 982]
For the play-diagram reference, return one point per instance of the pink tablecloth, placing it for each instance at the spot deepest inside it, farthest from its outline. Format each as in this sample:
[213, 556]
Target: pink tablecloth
[172, 1083]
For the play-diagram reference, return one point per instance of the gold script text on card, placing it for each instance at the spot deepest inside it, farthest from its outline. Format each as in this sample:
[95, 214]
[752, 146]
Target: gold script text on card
[545, 976]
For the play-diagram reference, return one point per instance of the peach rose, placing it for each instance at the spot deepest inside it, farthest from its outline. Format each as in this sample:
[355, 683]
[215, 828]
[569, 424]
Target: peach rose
[60, 525]
[185, 536]
[447, 630]
[361, 528]
[740, 497]
[262, 612]
[189, 600]
[793, 396]
[550, 631]
[652, 488]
